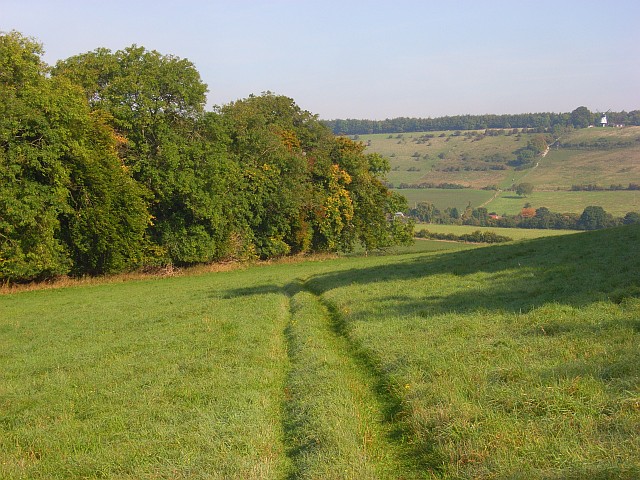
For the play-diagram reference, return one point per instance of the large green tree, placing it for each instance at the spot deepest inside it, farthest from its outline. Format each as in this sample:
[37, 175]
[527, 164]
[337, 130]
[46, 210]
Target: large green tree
[66, 202]
[109, 161]
[279, 149]
[524, 189]
[171, 147]
[593, 218]
[581, 117]
[374, 224]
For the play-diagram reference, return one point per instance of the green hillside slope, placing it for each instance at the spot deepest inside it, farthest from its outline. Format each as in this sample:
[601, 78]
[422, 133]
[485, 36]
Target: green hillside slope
[591, 156]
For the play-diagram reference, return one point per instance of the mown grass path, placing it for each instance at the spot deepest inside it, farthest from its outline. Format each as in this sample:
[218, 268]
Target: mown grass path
[340, 419]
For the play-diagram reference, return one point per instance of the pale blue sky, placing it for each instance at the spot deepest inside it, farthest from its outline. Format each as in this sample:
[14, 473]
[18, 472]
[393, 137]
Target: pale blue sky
[370, 59]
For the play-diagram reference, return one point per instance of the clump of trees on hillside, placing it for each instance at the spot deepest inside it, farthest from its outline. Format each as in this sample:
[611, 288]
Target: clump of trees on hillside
[109, 162]
[524, 189]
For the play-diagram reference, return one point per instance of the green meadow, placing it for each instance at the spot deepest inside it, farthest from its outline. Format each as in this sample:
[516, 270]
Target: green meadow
[444, 198]
[617, 203]
[520, 360]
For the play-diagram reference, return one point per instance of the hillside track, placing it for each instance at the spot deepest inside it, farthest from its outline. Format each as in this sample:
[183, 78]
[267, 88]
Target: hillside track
[499, 191]
[341, 419]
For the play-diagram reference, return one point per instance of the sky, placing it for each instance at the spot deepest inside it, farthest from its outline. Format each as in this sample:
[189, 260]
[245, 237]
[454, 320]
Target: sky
[370, 59]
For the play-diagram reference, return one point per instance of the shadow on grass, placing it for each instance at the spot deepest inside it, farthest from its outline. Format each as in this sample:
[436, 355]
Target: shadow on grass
[574, 270]
[513, 197]
[264, 289]
[416, 456]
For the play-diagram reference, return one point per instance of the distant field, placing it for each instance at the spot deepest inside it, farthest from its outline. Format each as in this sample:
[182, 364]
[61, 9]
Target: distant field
[564, 168]
[630, 133]
[413, 151]
[509, 361]
[443, 198]
[617, 203]
[415, 159]
[515, 233]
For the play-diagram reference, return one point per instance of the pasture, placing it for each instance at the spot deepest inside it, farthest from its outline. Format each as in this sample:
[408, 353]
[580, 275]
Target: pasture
[512, 361]
[617, 203]
[562, 168]
[424, 156]
[443, 198]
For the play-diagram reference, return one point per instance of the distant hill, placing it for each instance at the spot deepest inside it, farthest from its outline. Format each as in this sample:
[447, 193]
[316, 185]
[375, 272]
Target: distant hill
[579, 167]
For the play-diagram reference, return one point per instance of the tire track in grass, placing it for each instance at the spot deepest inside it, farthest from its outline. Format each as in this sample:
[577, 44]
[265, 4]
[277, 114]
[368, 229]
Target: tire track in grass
[338, 421]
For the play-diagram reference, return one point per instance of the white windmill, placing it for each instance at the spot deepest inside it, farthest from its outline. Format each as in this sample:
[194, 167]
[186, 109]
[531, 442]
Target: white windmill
[603, 119]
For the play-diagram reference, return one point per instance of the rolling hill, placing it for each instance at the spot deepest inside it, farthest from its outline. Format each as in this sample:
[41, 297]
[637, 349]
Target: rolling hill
[481, 159]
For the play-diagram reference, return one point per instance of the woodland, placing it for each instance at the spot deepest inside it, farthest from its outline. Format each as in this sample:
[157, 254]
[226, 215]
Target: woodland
[109, 161]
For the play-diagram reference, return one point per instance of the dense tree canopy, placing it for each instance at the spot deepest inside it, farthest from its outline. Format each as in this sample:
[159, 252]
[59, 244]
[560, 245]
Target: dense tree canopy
[109, 162]
[66, 201]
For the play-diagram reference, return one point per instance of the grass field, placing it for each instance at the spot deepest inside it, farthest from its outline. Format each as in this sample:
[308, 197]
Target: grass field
[510, 361]
[617, 203]
[408, 151]
[153, 379]
[443, 198]
[561, 169]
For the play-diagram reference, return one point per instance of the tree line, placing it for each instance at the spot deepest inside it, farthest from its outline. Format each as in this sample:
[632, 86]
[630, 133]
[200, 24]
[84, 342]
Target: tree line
[579, 118]
[474, 237]
[110, 162]
[592, 218]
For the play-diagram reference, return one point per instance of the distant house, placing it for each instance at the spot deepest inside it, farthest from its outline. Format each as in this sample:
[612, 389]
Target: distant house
[494, 216]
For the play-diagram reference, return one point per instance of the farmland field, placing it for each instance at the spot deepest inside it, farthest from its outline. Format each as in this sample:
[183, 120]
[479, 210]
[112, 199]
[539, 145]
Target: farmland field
[603, 157]
[443, 198]
[510, 361]
[616, 203]
[561, 169]
[415, 159]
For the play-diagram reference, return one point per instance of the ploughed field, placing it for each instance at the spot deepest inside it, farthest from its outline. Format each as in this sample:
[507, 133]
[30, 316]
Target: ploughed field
[520, 360]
